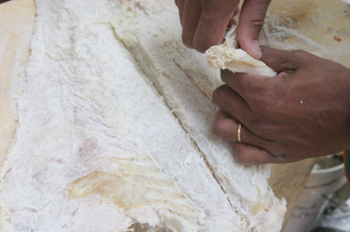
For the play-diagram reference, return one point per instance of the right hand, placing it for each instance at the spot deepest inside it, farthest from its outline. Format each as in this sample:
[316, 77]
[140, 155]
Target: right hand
[302, 112]
[204, 22]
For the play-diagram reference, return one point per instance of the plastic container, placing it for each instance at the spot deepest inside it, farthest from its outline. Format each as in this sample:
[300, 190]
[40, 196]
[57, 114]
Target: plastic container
[319, 188]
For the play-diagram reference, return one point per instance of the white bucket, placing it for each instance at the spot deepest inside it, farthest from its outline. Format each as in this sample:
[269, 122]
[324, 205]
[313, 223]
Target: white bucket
[319, 188]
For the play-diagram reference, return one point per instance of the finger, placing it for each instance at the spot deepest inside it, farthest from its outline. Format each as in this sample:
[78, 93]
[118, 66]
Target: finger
[190, 18]
[231, 103]
[180, 5]
[246, 85]
[226, 127]
[213, 23]
[248, 155]
[251, 20]
[282, 60]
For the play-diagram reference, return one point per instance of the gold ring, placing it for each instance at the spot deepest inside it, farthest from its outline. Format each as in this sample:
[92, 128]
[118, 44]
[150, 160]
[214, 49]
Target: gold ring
[239, 132]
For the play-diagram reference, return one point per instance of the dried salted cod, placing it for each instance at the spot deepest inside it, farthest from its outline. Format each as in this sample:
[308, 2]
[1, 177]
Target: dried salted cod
[183, 78]
[97, 149]
[115, 130]
[228, 56]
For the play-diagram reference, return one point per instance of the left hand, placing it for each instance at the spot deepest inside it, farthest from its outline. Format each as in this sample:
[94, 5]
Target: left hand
[204, 22]
[302, 112]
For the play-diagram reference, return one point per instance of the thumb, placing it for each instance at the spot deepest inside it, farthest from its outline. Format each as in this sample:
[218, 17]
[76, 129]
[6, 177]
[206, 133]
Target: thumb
[251, 20]
[282, 60]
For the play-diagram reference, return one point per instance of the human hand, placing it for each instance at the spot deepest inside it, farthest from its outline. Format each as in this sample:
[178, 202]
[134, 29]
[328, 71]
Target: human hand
[204, 22]
[302, 112]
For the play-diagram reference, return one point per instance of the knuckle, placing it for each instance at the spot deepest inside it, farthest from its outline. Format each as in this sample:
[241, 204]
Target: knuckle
[256, 24]
[264, 99]
[260, 98]
[260, 127]
[252, 27]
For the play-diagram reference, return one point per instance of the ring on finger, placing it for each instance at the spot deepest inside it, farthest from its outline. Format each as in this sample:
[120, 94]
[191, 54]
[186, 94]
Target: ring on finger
[239, 139]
